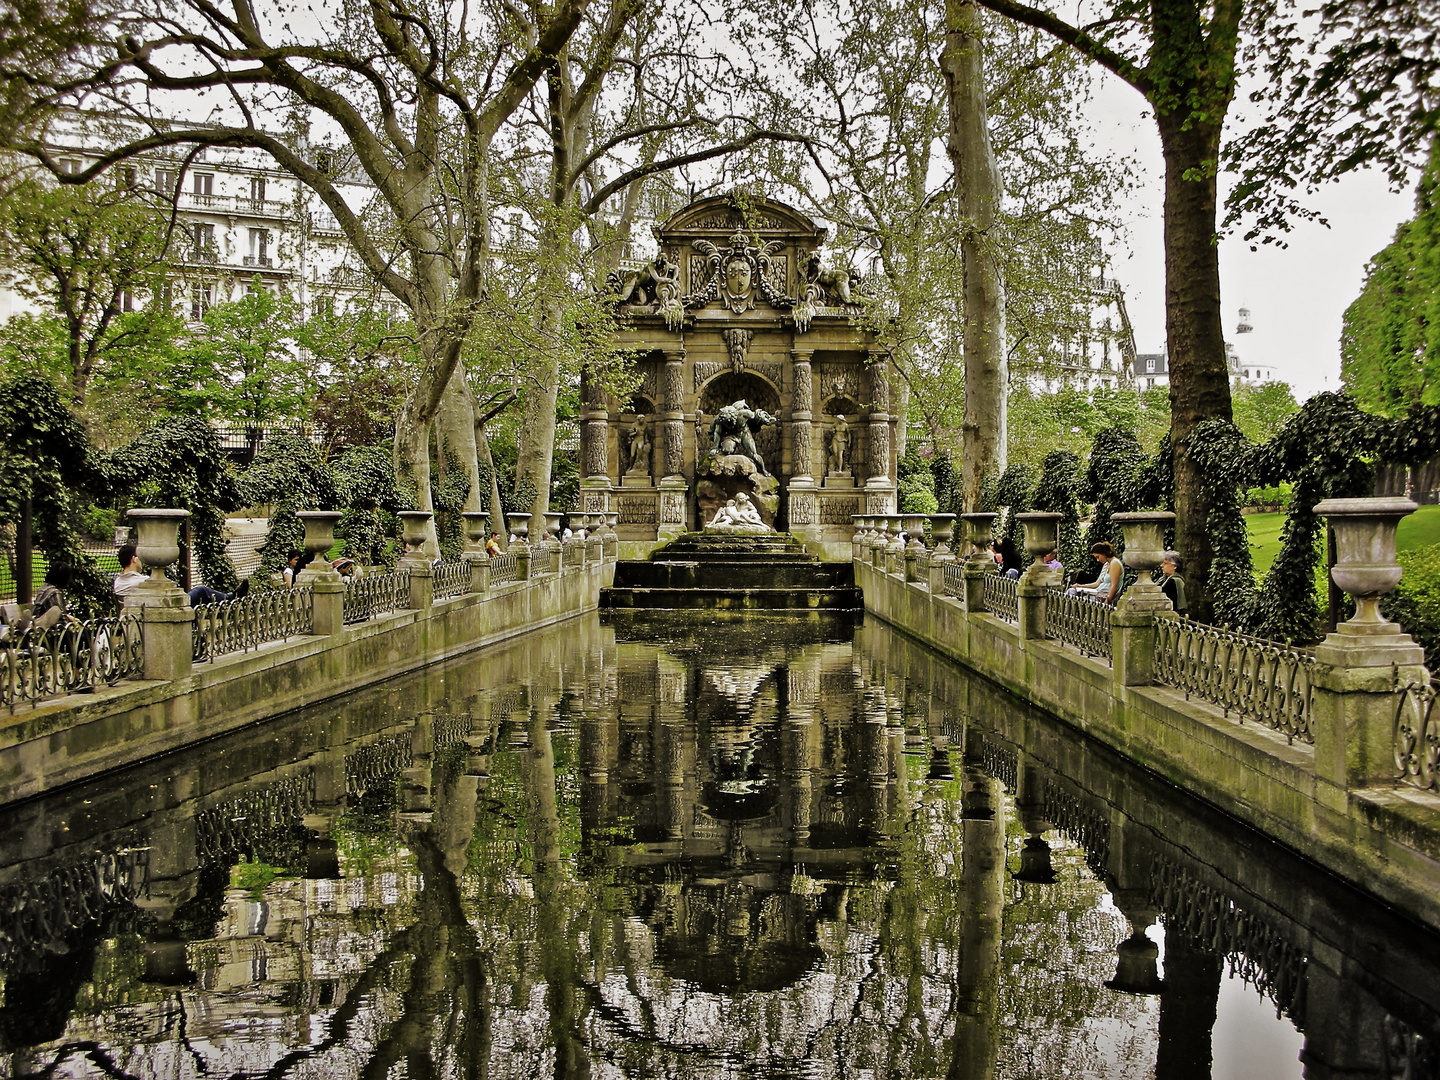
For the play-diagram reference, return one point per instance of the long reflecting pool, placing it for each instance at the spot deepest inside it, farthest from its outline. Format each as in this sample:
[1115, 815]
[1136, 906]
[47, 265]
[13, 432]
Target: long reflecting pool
[759, 848]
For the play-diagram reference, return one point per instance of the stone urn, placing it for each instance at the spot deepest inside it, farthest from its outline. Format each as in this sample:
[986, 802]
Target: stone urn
[412, 531]
[319, 539]
[158, 538]
[157, 543]
[894, 525]
[612, 518]
[552, 528]
[859, 520]
[1035, 865]
[520, 527]
[942, 529]
[1144, 532]
[979, 528]
[1042, 535]
[1137, 971]
[476, 522]
[915, 529]
[1365, 565]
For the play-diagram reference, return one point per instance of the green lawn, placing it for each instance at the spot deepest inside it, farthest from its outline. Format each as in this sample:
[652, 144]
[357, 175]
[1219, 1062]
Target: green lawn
[1420, 529]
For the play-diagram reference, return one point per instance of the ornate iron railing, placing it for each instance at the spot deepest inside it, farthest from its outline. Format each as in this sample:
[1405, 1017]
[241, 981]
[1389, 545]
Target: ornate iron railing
[1416, 736]
[378, 761]
[1210, 919]
[72, 657]
[1253, 677]
[1078, 621]
[1001, 599]
[241, 625]
[502, 568]
[544, 559]
[451, 579]
[574, 553]
[374, 595]
[955, 578]
[43, 918]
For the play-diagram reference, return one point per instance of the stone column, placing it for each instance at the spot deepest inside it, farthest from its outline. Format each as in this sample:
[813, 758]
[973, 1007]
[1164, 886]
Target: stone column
[673, 486]
[804, 504]
[595, 431]
[1031, 599]
[979, 561]
[879, 489]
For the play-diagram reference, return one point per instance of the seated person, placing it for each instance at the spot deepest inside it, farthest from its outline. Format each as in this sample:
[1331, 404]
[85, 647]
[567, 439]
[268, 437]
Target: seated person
[132, 573]
[1112, 572]
[1171, 583]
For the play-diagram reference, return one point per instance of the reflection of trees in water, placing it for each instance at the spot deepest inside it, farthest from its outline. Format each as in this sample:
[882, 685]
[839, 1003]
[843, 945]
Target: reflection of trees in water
[565, 909]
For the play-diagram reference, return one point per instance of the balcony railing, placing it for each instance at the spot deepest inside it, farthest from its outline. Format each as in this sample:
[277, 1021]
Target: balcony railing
[259, 260]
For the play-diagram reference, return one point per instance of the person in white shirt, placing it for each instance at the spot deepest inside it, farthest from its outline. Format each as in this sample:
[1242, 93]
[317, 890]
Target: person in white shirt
[132, 573]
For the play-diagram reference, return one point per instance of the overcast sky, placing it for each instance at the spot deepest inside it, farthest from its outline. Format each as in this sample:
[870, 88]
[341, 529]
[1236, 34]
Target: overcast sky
[1296, 295]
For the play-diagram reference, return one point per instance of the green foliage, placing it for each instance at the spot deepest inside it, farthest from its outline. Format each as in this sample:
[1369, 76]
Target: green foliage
[80, 252]
[1058, 492]
[1271, 497]
[254, 877]
[367, 357]
[178, 464]
[1012, 490]
[1261, 411]
[1113, 482]
[244, 365]
[917, 483]
[1415, 603]
[287, 474]
[45, 457]
[1390, 341]
[1070, 419]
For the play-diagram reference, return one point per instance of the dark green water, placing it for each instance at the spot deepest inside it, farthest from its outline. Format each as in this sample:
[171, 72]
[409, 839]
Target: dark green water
[750, 849]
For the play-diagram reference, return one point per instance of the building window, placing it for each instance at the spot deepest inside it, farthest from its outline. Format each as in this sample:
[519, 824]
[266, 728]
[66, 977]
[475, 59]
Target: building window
[204, 185]
[200, 298]
[70, 165]
[1150, 384]
[259, 248]
[204, 242]
[166, 181]
[1150, 364]
[127, 300]
[257, 189]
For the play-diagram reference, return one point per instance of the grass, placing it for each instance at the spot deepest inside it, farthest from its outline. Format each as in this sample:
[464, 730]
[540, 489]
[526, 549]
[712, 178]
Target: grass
[1420, 529]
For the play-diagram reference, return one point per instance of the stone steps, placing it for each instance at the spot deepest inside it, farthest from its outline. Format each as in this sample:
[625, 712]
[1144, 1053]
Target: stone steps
[706, 571]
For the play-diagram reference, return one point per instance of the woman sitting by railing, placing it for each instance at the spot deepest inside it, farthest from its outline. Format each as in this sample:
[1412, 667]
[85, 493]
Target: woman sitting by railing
[1106, 588]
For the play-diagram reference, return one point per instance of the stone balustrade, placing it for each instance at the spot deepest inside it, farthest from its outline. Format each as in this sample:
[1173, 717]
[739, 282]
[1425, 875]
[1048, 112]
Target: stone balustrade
[1309, 745]
[159, 636]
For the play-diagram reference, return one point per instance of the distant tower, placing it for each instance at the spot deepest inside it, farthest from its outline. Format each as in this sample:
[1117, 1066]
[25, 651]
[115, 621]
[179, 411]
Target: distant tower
[1244, 326]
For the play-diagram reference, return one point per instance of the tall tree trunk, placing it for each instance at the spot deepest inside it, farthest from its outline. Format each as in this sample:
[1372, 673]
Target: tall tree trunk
[982, 886]
[536, 451]
[1199, 373]
[455, 437]
[987, 372]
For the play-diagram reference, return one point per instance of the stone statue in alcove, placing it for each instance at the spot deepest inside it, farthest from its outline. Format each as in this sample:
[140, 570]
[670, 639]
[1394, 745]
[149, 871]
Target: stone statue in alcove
[639, 449]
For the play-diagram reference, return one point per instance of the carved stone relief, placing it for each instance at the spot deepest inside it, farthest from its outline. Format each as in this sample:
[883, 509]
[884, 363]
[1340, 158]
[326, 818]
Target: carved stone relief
[674, 386]
[705, 370]
[636, 511]
[594, 502]
[879, 390]
[877, 503]
[838, 511]
[672, 508]
[737, 343]
[837, 380]
[674, 447]
[597, 433]
[647, 379]
[802, 439]
[802, 508]
[803, 396]
[880, 448]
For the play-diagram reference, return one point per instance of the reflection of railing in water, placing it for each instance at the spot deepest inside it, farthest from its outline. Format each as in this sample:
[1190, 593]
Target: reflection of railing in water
[450, 728]
[1214, 922]
[997, 760]
[45, 917]
[1416, 736]
[1256, 678]
[69, 658]
[251, 621]
[1077, 621]
[377, 761]
[1086, 827]
[265, 823]
[1001, 599]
